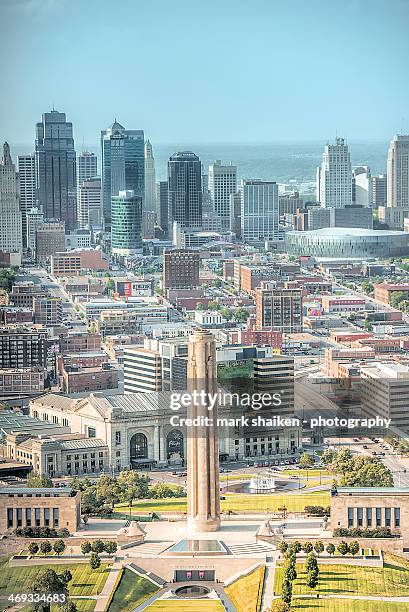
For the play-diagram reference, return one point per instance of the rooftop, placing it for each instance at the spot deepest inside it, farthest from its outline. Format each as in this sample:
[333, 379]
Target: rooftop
[347, 231]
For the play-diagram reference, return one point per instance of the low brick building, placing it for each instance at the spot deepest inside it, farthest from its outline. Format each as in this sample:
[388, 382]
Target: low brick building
[73, 262]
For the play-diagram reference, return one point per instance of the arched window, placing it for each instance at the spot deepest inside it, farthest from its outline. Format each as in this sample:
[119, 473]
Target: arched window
[139, 446]
[174, 443]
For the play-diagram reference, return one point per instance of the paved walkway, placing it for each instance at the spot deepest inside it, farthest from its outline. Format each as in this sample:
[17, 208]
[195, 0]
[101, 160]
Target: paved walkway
[268, 590]
[108, 586]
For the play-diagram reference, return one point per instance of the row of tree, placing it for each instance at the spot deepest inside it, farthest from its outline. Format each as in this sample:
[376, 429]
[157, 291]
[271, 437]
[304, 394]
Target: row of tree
[318, 547]
[46, 547]
[357, 471]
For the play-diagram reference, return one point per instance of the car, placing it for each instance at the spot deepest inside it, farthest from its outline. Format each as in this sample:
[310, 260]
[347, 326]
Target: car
[374, 453]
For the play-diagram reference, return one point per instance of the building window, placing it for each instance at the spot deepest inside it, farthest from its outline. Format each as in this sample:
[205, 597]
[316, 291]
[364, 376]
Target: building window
[10, 520]
[47, 517]
[28, 517]
[56, 517]
[350, 517]
[117, 438]
[387, 517]
[378, 514]
[396, 513]
[360, 516]
[92, 432]
[138, 447]
[369, 517]
[19, 517]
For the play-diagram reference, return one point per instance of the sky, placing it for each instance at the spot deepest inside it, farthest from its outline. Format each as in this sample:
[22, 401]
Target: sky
[215, 71]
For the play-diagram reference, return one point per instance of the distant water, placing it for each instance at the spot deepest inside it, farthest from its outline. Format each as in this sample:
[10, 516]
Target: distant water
[282, 162]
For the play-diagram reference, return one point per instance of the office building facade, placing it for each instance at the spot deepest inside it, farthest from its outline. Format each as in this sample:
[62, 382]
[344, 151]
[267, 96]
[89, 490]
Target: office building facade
[279, 309]
[180, 269]
[89, 203]
[259, 210]
[55, 162]
[126, 223]
[222, 182]
[334, 176]
[185, 195]
[10, 214]
[123, 165]
[162, 212]
[150, 179]
[27, 189]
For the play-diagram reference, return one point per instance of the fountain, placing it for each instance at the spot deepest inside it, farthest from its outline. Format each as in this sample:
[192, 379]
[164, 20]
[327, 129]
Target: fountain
[263, 483]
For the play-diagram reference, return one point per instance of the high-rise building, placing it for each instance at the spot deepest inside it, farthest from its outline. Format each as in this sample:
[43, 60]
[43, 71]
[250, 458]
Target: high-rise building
[275, 374]
[123, 165]
[289, 203]
[27, 189]
[162, 212]
[87, 166]
[398, 172]
[126, 223]
[222, 182]
[89, 203]
[180, 269]
[34, 217]
[22, 347]
[259, 210]
[185, 194]
[379, 190]
[334, 176]
[55, 162]
[10, 214]
[279, 308]
[50, 239]
[362, 186]
[235, 213]
[149, 202]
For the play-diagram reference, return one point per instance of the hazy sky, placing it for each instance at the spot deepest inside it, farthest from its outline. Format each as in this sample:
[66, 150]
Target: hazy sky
[211, 71]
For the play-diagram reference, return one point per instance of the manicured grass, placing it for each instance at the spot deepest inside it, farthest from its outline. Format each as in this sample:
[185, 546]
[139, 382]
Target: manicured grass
[83, 605]
[347, 605]
[229, 477]
[244, 592]
[131, 591]
[304, 473]
[186, 605]
[295, 502]
[85, 581]
[391, 580]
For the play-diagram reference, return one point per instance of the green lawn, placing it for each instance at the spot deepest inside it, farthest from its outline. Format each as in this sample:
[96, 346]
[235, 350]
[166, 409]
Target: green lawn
[244, 592]
[229, 477]
[83, 605]
[350, 605]
[131, 591]
[85, 581]
[236, 502]
[391, 580]
[304, 473]
[187, 605]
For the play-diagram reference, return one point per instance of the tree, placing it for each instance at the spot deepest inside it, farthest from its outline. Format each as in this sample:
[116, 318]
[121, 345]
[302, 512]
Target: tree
[85, 518]
[66, 576]
[330, 549]
[311, 562]
[328, 456]
[367, 472]
[307, 547]
[397, 297]
[290, 571]
[68, 606]
[354, 548]
[33, 548]
[132, 486]
[241, 315]
[319, 547]
[48, 582]
[213, 305]
[110, 548]
[306, 461]
[296, 547]
[200, 306]
[94, 561]
[342, 461]
[312, 580]
[39, 481]
[98, 546]
[86, 548]
[287, 591]
[59, 547]
[368, 326]
[343, 548]
[107, 490]
[45, 547]
[283, 547]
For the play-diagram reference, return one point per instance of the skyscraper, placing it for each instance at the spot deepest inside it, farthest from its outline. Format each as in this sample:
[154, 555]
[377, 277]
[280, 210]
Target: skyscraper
[123, 165]
[398, 172]
[379, 190]
[56, 168]
[86, 166]
[162, 212]
[10, 214]
[362, 186]
[150, 180]
[126, 228]
[259, 210]
[334, 176]
[89, 203]
[185, 194]
[27, 188]
[279, 309]
[222, 183]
